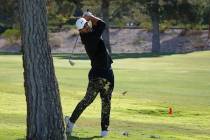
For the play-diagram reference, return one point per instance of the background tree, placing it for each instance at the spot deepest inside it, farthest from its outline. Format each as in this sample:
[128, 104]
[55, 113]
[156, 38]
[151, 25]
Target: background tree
[79, 5]
[59, 11]
[44, 111]
[187, 12]
[204, 13]
[153, 8]
[105, 16]
[8, 13]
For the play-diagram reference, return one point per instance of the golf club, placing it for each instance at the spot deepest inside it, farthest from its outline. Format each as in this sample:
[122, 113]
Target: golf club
[75, 44]
[70, 56]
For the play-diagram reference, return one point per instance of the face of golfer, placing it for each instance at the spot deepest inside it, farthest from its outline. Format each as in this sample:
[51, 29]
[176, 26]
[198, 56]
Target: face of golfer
[86, 29]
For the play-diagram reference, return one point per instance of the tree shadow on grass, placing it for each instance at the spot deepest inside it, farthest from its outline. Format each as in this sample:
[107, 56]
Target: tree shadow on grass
[83, 56]
[10, 53]
[79, 138]
[74, 138]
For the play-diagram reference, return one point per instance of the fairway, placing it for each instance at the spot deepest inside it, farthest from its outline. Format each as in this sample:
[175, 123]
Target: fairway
[151, 85]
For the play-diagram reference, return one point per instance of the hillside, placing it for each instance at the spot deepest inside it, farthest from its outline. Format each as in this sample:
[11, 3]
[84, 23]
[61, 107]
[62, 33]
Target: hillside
[127, 41]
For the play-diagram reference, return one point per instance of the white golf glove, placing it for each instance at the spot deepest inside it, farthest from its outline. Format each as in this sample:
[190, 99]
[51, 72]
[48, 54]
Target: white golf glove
[87, 14]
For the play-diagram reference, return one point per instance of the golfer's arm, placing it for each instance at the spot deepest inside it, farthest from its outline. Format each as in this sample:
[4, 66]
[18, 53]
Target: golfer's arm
[94, 20]
[98, 25]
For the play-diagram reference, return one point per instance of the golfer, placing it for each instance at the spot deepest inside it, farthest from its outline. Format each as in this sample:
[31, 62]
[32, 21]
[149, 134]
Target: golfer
[101, 77]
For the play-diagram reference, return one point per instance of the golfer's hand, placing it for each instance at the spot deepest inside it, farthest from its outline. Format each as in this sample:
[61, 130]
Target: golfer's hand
[87, 18]
[87, 14]
[90, 17]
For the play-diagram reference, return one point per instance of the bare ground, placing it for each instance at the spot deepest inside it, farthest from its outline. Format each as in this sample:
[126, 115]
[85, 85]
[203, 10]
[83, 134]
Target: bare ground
[126, 41]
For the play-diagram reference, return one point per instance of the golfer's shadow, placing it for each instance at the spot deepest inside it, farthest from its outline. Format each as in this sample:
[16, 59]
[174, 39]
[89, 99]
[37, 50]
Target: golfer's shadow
[78, 138]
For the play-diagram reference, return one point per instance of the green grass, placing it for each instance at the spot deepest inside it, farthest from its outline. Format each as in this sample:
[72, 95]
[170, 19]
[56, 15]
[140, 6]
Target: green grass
[153, 84]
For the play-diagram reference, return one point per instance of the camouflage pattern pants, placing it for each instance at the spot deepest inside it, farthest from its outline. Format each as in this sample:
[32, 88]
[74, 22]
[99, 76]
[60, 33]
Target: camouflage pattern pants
[95, 86]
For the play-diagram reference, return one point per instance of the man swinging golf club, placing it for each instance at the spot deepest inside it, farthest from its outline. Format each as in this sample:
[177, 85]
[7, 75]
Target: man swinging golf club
[101, 77]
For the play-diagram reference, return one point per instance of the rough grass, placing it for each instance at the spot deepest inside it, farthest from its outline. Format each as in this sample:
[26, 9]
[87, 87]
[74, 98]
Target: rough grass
[152, 84]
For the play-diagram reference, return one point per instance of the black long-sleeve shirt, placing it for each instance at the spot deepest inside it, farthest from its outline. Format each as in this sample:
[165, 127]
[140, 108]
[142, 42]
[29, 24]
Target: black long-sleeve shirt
[96, 50]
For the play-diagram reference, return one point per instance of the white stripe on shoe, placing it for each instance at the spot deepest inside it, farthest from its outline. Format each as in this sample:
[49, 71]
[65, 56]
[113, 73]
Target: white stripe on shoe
[69, 126]
[104, 133]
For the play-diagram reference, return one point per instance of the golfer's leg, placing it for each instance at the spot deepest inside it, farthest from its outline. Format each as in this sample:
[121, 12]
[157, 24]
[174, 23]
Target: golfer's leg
[91, 94]
[106, 94]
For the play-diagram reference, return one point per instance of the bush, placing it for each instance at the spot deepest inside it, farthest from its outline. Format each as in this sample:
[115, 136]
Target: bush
[146, 25]
[55, 42]
[165, 25]
[119, 23]
[12, 35]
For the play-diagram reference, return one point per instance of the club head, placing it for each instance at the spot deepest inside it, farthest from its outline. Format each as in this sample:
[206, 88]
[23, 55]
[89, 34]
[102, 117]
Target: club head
[125, 133]
[124, 93]
[71, 62]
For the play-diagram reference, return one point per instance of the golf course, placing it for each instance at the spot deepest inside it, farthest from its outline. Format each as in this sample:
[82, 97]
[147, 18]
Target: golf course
[145, 88]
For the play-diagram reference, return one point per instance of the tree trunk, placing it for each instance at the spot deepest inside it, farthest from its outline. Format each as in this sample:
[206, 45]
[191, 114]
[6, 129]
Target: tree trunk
[105, 15]
[209, 32]
[78, 11]
[44, 111]
[155, 26]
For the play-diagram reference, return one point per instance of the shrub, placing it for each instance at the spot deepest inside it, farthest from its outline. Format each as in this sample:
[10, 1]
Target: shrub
[165, 25]
[146, 25]
[55, 42]
[12, 35]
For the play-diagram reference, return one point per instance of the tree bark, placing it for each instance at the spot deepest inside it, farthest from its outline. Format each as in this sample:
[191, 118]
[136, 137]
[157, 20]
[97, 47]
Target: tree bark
[209, 32]
[155, 26]
[78, 11]
[44, 111]
[105, 16]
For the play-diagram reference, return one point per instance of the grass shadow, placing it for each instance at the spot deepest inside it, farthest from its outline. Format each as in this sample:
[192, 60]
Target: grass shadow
[79, 138]
[74, 138]
[83, 56]
[10, 53]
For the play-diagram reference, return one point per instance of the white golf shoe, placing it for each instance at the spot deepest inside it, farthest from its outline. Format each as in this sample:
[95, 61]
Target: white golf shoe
[69, 126]
[104, 133]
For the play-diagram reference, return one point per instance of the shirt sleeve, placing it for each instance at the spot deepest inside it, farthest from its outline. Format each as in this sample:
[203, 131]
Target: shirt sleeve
[92, 39]
[99, 28]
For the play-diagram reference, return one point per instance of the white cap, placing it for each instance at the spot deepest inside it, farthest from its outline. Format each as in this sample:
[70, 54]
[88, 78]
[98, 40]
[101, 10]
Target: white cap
[80, 23]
